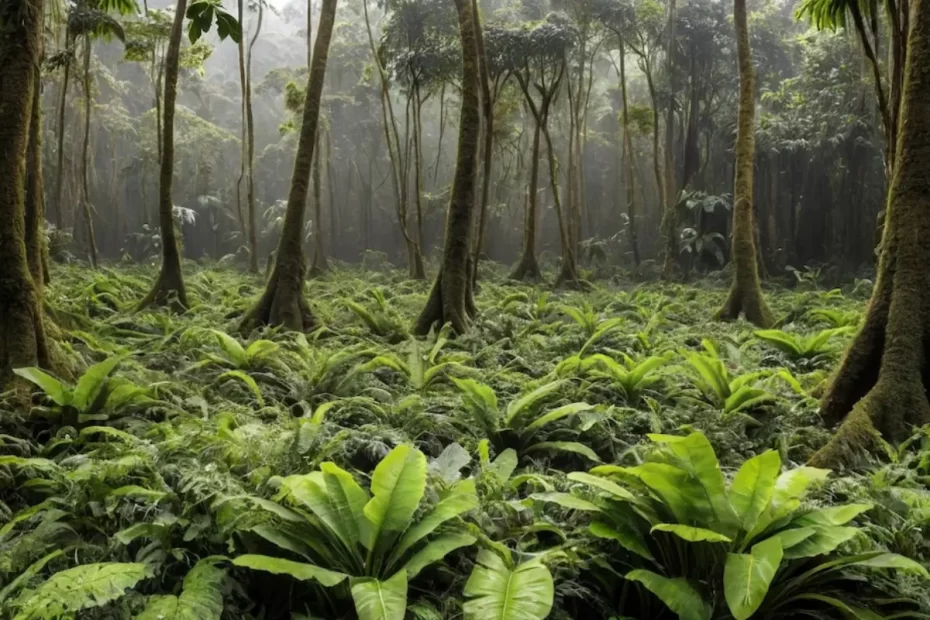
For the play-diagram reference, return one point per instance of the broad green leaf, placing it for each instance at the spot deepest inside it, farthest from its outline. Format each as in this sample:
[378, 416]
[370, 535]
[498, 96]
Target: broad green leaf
[247, 380]
[348, 500]
[628, 538]
[833, 515]
[525, 402]
[794, 483]
[448, 465]
[58, 392]
[397, 487]
[504, 464]
[201, 597]
[676, 488]
[747, 577]
[677, 594]
[698, 457]
[380, 600]
[69, 591]
[753, 486]
[436, 550]
[237, 355]
[603, 484]
[794, 536]
[565, 446]
[558, 413]
[691, 534]
[495, 592]
[849, 611]
[298, 570]
[823, 541]
[461, 500]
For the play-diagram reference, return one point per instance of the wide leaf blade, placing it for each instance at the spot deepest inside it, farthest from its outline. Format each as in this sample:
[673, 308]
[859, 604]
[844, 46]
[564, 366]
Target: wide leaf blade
[380, 600]
[677, 594]
[495, 592]
[747, 577]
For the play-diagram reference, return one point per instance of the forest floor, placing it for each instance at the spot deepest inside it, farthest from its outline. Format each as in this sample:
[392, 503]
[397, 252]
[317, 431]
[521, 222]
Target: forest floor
[183, 414]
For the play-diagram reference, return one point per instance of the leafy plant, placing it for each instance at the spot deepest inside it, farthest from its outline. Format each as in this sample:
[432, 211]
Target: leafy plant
[95, 396]
[337, 531]
[752, 543]
[519, 425]
[731, 394]
[799, 347]
[630, 377]
[380, 320]
[499, 590]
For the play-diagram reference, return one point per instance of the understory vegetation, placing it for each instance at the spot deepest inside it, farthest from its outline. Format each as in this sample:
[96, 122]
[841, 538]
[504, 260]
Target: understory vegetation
[606, 453]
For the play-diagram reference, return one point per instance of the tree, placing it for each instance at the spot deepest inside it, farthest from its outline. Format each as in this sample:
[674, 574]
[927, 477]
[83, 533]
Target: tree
[881, 384]
[536, 58]
[23, 340]
[450, 298]
[168, 288]
[745, 295]
[670, 208]
[247, 163]
[283, 301]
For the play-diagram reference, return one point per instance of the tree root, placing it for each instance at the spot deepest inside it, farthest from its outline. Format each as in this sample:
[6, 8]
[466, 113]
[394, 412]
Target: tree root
[448, 302]
[527, 270]
[168, 291]
[748, 301]
[282, 303]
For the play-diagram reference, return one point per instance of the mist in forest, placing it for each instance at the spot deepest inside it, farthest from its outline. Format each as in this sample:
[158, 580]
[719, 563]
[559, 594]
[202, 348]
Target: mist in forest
[819, 181]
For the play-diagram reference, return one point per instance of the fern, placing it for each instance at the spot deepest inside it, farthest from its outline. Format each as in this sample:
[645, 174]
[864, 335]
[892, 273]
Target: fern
[79, 588]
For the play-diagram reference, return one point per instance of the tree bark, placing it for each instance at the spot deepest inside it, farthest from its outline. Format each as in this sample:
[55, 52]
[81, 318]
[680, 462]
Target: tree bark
[319, 264]
[250, 150]
[881, 384]
[528, 267]
[23, 339]
[283, 301]
[450, 298]
[85, 183]
[169, 287]
[630, 165]
[745, 293]
[60, 167]
[670, 215]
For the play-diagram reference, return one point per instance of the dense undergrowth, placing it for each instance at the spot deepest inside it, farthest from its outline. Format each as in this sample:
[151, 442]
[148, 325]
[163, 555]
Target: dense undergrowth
[605, 454]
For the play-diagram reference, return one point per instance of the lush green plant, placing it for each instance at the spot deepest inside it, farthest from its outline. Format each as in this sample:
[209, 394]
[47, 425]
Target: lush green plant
[799, 347]
[95, 397]
[731, 394]
[500, 590]
[630, 377]
[338, 531]
[698, 543]
[520, 424]
[422, 368]
[380, 320]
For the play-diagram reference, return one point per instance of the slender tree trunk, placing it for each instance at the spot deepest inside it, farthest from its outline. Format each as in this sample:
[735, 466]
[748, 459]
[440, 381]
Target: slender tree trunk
[448, 301]
[881, 384]
[319, 264]
[60, 166]
[23, 339]
[283, 301]
[670, 215]
[418, 161]
[568, 271]
[487, 128]
[630, 165]
[746, 293]
[169, 288]
[36, 252]
[250, 135]
[528, 267]
[85, 183]
[656, 151]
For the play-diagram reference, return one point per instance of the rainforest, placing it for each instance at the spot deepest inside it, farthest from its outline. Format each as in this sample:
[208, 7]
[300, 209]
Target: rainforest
[479, 309]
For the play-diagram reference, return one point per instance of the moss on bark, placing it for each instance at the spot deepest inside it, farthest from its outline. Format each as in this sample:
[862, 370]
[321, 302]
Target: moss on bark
[745, 293]
[882, 383]
[283, 302]
[450, 299]
[23, 340]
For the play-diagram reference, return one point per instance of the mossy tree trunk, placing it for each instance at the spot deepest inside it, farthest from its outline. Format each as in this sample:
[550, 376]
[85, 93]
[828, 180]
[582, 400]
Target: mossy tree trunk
[881, 384]
[243, 138]
[745, 295]
[23, 339]
[283, 301]
[169, 286]
[568, 269]
[630, 163]
[250, 148]
[450, 298]
[36, 251]
[487, 129]
[319, 265]
[85, 156]
[60, 131]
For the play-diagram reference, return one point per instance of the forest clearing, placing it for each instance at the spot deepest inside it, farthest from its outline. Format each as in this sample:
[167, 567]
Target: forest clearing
[476, 309]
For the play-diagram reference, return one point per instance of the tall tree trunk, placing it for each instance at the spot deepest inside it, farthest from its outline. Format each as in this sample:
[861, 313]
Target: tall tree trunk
[630, 165]
[319, 264]
[656, 151]
[169, 287]
[418, 161]
[22, 332]
[449, 298]
[528, 267]
[283, 301]
[746, 293]
[568, 272]
[36, 252]
[85, 183]
[670, 215]
[487, 127]
[881, 384]
[250, 150]
[60, 129]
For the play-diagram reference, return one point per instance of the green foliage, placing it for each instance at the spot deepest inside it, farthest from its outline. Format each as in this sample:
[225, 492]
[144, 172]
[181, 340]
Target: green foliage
[201, 596]
[203, 13]
[731, 394]
[802, 347]
[498, 591]
[342, 531]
